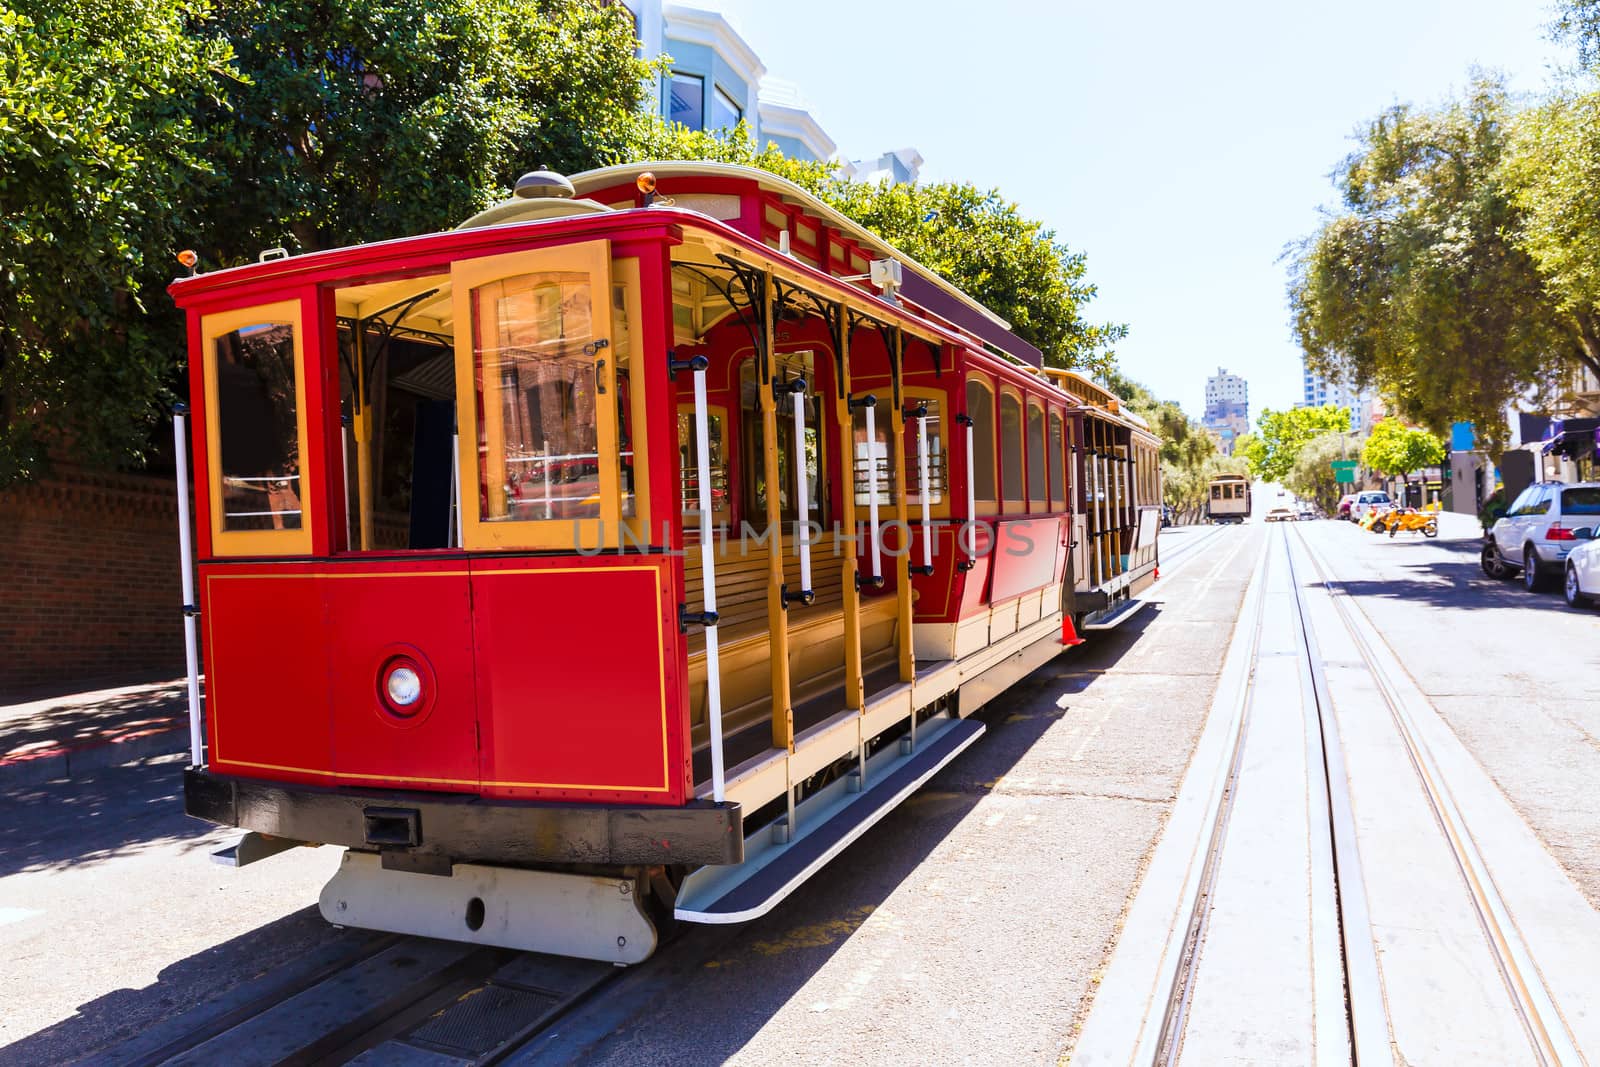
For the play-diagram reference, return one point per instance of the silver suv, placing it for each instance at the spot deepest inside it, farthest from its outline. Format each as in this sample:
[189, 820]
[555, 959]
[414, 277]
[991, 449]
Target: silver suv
[1538, 530]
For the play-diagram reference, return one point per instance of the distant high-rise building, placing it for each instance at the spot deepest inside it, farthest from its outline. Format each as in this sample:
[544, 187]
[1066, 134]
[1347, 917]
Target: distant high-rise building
[1227, 408]
[1320, 391]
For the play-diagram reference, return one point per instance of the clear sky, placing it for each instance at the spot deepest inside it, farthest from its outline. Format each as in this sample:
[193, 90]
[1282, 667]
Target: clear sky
[1181, 145]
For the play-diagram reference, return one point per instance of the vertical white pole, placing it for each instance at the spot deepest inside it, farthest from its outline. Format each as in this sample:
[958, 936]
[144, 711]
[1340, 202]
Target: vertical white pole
[455, 487]
[186, 557]
[872, 493]
[344, 455]
[802, 527]
[708, 567]
[549, 510]
[922, 482]
[972, 497]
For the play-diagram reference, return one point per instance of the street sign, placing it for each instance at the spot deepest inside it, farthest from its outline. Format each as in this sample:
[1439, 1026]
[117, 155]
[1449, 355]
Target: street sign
[1344, 470]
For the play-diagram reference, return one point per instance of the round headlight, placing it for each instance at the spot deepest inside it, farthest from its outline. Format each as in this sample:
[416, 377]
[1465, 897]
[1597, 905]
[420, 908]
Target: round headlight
[404, 687]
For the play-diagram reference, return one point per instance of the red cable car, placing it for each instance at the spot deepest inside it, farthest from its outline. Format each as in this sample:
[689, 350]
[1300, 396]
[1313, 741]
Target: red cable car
[615, 558]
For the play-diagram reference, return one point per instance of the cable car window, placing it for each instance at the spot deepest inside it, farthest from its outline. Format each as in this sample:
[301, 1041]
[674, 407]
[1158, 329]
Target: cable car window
[536, 397]
[1058, 469]
[980, 409]
[689, 466]
[938, 472]
[258, 428]
[1011, 452]
[1036, 461]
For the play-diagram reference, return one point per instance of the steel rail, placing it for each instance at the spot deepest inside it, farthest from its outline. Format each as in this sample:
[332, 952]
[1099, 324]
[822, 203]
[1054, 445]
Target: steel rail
[1547, 1031]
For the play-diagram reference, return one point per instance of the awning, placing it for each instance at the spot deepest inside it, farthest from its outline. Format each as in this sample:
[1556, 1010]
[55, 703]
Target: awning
[1573, 438]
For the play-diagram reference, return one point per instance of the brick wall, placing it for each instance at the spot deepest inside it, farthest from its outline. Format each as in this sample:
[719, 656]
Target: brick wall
[88, 580]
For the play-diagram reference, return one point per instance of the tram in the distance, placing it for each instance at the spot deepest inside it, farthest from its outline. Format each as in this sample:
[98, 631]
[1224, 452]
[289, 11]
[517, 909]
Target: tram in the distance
[1228, 499]
[624, 553]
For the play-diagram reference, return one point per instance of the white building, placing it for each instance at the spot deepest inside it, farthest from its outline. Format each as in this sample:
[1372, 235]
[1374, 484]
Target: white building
[1227, 408]
[1320, 391]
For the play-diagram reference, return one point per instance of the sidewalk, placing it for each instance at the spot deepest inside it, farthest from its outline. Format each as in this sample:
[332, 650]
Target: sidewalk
[61, 736]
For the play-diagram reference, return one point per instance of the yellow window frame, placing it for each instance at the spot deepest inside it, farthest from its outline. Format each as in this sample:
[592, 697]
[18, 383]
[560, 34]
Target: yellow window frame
[255, 542]
[594, 259]
[984, 505]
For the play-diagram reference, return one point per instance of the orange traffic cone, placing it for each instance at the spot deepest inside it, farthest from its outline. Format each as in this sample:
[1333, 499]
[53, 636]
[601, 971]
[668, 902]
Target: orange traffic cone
[1157, 578]
[1069, 633]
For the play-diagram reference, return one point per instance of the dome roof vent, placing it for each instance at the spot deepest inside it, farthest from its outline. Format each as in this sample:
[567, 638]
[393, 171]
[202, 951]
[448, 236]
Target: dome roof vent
[543, 183]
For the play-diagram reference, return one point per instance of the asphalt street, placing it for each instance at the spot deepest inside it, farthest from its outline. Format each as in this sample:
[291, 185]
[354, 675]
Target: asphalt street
[969, 926]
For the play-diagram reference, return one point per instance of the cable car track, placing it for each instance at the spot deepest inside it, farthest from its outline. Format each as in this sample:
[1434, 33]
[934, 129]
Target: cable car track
[1147, 1006]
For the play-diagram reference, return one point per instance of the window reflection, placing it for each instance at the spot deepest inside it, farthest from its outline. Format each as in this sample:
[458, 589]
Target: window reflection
[259, 437]
[536, 398]
[687, 100]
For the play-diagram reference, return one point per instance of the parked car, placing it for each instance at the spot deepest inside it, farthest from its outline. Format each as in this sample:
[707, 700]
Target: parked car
[1344, 505]
[1306, 510]
[1369, 500]
[1540, 529]
[1582, 583]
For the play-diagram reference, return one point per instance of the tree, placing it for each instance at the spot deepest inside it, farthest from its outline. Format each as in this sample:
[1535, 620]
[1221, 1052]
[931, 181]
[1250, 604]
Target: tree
[1578, 21]
[974, 238]
[1311, 474]
[1397, 449]
[369, 119]
[1272, 453]
[1418, 287]
[1552, 173]
[100, 165]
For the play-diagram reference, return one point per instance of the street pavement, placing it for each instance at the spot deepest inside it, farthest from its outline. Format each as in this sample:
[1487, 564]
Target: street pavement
[971, 925]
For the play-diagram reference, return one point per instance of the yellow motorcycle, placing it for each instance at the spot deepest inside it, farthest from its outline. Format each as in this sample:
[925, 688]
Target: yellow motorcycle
[1411, 519]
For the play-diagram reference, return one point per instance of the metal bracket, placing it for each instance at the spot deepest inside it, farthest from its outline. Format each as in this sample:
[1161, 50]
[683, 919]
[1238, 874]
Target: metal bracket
[918, 412]
[964, 419]
[965, 565]
[926, 570]
[789, 388]
[877, 583]
[859, 402]
[190, 611]
[805, 598]
[687, 618]
[676, 365]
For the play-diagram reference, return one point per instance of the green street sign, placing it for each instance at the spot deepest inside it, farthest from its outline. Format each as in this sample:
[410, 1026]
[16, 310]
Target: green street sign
[1344, 470]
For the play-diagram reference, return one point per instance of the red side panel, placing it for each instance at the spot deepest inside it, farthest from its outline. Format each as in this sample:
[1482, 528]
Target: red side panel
[578, 693]
[373, 615]
[266, 679]
[1024, 556]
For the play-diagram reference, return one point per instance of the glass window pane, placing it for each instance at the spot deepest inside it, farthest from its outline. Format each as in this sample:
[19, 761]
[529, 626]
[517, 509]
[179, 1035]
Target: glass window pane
[689, 467]
[1011, 446]
[536, 397]
[622, 353]
[687, 104]
[1058, 469]
[259, 437]
[936, 462]
[876, 456]
[725, 114]
[980, 409]
[1036, 464]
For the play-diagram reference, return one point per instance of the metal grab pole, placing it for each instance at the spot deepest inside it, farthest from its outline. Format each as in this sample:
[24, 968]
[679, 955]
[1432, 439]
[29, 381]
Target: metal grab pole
[180, 440]
[345, 423]
[922, 483]
[708, 568]
[455, 488]
[972, 497]
[802, 526]
[872, 494]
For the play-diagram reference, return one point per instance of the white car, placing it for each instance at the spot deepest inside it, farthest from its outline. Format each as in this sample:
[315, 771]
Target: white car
[1365, 502]
[1582, 584]
[1539, 530]
[1280, 514]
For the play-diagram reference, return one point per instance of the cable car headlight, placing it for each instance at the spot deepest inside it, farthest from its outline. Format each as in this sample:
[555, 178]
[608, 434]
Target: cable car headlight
[403, 686]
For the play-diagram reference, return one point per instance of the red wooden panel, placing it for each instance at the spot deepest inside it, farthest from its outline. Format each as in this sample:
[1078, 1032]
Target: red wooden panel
[1024, 555]
[576, 698]
[266, 678]
[373, 613]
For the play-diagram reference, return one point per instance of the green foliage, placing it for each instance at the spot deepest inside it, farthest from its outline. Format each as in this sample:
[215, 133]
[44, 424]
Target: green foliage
[1552, 173]
[1395, 448]
[100, 165]
[1578, 21]
[975, 238]
[372, 119]
[1251, 451]
[1271, 454]
[1418, 287]
[1311, 474]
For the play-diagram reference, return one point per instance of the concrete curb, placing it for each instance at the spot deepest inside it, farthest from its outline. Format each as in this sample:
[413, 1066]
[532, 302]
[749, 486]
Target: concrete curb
[159, 737]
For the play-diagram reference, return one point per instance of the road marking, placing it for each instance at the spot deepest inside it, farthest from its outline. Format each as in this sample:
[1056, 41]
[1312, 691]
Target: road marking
[16, 915]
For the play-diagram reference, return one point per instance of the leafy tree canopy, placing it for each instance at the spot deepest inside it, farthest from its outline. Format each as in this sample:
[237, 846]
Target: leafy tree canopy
[977, 239]
[1271, 453]
[1418, 286]
[372, 119]
[1395, 448]
[1311, 474]
[100, 167]
[1578, 22]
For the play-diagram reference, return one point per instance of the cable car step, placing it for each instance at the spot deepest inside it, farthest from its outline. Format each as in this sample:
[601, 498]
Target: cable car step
[827, 822]
[1113, 617]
